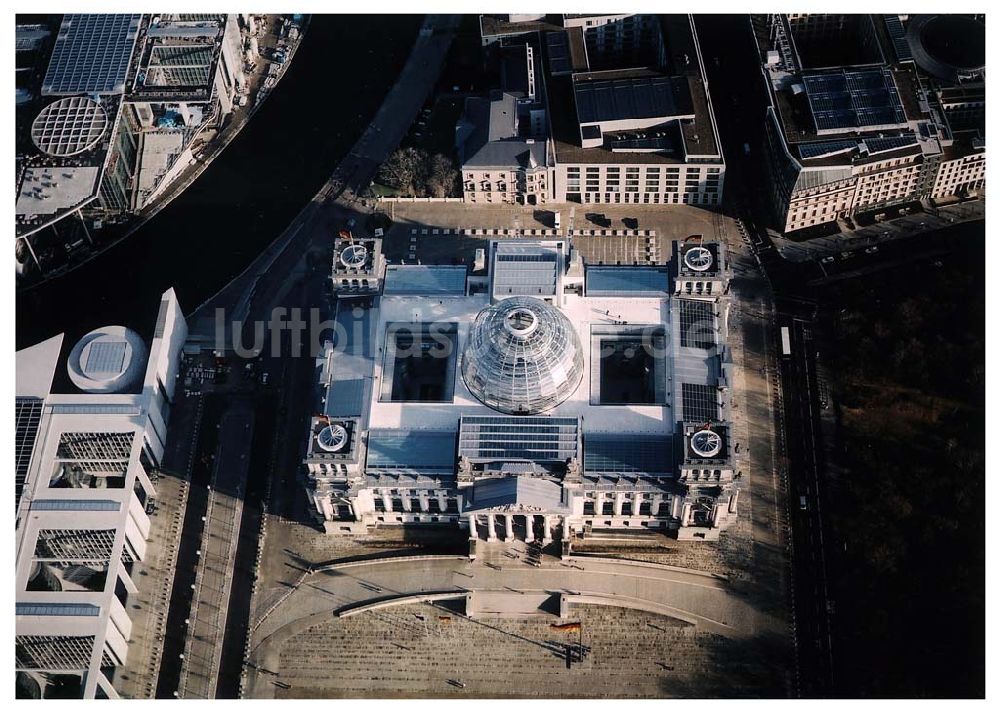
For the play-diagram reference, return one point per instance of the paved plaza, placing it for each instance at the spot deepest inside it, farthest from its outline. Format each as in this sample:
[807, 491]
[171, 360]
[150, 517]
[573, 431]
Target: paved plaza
[429, 651]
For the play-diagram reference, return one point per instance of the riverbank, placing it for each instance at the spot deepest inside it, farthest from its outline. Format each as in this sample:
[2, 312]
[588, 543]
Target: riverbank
[248, 195]
[204, 153]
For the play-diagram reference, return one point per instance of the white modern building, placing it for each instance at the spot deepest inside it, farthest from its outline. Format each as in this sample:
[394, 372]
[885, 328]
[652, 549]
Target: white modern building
[91, 428]
[548, 401]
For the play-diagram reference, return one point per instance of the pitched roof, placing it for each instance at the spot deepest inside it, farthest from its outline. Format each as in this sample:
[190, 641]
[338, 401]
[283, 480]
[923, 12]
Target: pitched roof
[488, 135]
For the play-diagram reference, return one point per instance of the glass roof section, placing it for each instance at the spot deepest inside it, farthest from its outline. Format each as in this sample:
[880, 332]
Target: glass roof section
[91, 54]
[523, 357]
[536, 439]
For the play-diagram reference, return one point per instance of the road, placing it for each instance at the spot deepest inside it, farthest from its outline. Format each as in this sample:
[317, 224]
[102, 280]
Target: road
[292, 270]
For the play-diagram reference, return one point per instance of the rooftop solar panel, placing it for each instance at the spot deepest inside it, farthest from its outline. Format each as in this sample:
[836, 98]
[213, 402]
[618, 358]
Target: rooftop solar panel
[821, 149]
[28, 414]
[601, 100]
[518, 438]
[854, 99]
[890, 143]
[898, 35]
[91, 54]
[558, 46]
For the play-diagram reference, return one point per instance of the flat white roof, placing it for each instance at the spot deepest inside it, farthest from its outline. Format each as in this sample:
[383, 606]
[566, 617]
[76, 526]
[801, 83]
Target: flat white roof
[582, 312]
[45, 191]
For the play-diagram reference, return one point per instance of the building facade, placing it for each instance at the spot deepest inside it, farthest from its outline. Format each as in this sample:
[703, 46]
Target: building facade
[87, 460]
[551, 401]
[864, 116]
[630, 118]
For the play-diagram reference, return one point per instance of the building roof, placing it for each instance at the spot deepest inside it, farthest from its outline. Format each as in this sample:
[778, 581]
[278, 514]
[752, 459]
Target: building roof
[35, 367]
[525, 269]
[425, 280]
[514, 70]
[491, 135]
[608, 280]
[351, 363]
[530, 492]
[91, 54]
[45, 191]
[411, 449]
[693, 136]
[621, 95]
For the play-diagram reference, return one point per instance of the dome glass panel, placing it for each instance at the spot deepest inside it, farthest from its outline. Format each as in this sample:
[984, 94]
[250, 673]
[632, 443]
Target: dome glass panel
[523, 357]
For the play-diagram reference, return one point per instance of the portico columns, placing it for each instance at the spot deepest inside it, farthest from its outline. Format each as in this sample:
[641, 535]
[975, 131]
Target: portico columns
[599, 503]
[546, 529]
[619, 500]
[528, 528]
[387, 502]
[491, 528]
[443, 503]
[425, 503]
[508, 534]
[636, 503]
[473, 531]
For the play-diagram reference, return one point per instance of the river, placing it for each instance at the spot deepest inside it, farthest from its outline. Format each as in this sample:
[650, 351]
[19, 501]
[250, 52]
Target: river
[247, 196]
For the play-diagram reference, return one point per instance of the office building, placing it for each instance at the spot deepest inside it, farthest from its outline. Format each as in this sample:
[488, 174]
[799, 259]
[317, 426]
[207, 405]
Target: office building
[630, 119]
[91, 427]
[869, 112]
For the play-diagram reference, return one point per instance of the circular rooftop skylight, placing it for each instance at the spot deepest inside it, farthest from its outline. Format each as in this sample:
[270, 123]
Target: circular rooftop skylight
[69, 126]
[706, 443]
[354, 256]
[108, 360]
[698, 258]
[332, 438]
[523, 356]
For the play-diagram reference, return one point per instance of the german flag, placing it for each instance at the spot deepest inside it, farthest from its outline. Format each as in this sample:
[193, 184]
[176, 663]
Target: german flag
[568, 627]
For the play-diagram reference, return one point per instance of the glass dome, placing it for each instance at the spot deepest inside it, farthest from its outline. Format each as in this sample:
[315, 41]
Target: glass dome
[522, 357]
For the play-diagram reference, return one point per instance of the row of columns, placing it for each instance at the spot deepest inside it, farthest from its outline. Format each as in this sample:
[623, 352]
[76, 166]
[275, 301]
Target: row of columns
[548, 523]
[424, 501]
[619, 501]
